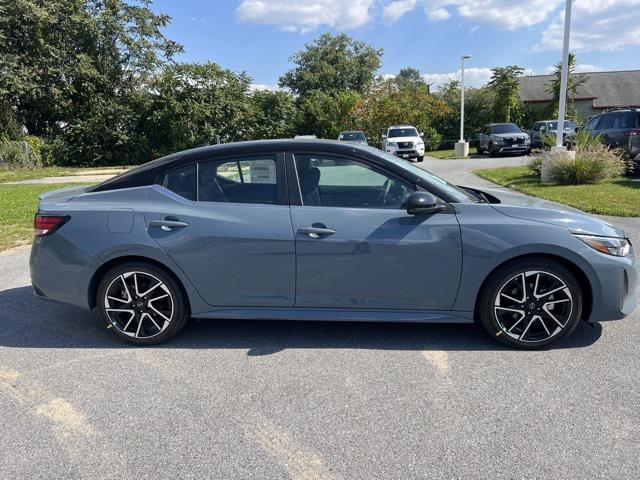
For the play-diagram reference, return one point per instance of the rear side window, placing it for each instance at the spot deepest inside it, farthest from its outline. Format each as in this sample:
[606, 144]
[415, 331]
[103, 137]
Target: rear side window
[625, 120]
[606, 122]
[182, 181]
[242, 180]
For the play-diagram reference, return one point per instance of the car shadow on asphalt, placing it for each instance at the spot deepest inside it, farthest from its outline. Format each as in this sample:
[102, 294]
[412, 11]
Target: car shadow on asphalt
[28, 322]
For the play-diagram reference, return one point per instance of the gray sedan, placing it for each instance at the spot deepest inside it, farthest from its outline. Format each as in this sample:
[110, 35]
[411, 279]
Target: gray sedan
[323, 230]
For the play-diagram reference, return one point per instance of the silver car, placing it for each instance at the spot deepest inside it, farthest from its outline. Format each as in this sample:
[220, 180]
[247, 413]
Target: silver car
[496, 138]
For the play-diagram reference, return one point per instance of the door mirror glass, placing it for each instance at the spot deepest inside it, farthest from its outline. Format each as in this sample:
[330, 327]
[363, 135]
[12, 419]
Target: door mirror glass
[422, 203]
[543, 129]
[384, 137]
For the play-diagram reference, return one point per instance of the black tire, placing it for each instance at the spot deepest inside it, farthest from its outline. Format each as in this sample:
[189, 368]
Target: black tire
[164, 301]
[492, 153]
[537, 326]
[421, 158]
[480, 150]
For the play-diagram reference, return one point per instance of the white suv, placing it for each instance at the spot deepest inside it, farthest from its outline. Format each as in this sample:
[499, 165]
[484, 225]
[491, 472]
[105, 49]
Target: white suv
[404, 141]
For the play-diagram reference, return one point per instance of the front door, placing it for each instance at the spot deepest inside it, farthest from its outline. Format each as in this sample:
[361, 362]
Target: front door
[233, 235]
[357, 248]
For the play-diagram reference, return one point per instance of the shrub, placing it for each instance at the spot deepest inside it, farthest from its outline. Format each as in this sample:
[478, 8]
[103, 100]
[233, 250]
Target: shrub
[535, 165]
[23, 153]
[593, 163]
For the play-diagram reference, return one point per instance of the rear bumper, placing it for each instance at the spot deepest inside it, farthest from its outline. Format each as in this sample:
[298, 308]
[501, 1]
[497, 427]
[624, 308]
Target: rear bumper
[60, 271]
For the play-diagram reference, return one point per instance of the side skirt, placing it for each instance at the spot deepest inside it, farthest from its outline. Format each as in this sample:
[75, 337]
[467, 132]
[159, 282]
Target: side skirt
[338, 315]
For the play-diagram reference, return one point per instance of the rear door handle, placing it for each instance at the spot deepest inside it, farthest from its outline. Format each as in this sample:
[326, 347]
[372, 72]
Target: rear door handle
[316, 232]
[168, 224]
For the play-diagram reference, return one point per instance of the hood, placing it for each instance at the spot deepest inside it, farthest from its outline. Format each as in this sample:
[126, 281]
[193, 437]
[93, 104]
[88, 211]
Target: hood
[510, 135]
[530, 208]
[404, 139]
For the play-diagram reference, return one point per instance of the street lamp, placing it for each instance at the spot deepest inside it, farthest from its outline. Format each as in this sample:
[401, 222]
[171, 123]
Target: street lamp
[564, 79]
[462, 147]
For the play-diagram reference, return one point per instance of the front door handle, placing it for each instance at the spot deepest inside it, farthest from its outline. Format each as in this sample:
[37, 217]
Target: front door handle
[316, 232]
[168, 224]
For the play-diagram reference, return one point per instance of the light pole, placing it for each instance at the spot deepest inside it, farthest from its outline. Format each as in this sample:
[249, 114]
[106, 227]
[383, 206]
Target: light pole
[462, 147]
[564, 78]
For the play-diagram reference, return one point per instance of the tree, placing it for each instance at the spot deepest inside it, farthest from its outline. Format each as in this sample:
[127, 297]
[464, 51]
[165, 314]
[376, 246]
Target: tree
[272, 115]
[505, 84]
[574, 83]
[332, 64]
[386, 105]
[478, 110]
[327, 114]
[194, 104]
[409, 78]
[68, 66]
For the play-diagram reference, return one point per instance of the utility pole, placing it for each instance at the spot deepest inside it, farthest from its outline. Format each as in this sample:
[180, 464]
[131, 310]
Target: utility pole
[462, 147]
[564, 79]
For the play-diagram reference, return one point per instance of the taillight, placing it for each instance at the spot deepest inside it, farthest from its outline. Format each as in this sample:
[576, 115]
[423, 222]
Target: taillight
[632, 132]
[47, 224]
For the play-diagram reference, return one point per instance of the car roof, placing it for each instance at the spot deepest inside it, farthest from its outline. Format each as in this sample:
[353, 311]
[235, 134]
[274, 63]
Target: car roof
[400, 126]
[351, 131]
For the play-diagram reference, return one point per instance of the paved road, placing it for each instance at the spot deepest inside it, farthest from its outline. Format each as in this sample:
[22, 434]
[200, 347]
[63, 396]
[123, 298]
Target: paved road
[308, 400]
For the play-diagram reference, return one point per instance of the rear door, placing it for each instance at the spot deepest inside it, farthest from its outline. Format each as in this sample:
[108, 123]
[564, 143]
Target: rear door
[357, 248]
[226, 223]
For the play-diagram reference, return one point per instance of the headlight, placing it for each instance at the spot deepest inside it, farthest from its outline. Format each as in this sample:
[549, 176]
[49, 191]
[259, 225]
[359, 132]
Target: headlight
[419, 145]
[498, 139]
[619, 247]
[392, 145]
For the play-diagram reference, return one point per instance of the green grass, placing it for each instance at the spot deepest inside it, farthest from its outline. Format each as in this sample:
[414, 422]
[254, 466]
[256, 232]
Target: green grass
[29, 174]
[449, 154]
[619, 197]
[18, 204]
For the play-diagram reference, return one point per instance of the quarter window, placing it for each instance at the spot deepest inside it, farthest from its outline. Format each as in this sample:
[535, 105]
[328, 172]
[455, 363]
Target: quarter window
[243, 180]
[182, 181]
[341, 182]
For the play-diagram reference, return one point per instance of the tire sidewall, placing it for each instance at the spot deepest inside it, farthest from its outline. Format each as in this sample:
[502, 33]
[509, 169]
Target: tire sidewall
[181, 310]
[498, 278]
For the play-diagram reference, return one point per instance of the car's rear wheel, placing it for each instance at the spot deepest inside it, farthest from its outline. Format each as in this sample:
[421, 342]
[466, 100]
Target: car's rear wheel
[531, 303]
[141, 304]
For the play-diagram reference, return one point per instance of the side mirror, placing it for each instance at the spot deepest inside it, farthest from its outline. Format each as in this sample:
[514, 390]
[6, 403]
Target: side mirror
[384, 137]
[577, 129]
[422, 203]
[422, 134]
[543, 129]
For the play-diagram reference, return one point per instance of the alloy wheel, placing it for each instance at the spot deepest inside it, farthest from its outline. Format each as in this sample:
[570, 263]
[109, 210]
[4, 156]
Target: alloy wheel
[533, 306]
[139, 304]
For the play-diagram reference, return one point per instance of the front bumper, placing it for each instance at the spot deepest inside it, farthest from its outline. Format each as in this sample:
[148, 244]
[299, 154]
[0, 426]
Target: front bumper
[406, 154]
[617, 295]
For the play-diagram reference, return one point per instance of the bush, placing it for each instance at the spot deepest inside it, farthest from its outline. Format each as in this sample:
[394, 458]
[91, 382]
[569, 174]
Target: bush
[23, 153]
[535, 165]
[593, 163]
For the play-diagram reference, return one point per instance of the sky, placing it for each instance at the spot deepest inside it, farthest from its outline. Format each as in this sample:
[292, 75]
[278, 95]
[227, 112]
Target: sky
[259, 36]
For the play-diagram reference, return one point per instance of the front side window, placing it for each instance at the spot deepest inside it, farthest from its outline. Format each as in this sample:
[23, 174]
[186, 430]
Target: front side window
[182, 181]
[592, 124]
[606, 122]
[341, 182]
[242, 180]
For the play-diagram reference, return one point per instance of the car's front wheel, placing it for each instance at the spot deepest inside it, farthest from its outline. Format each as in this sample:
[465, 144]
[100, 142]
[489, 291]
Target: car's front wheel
[141, 304]
[421, 158]
[531, 303]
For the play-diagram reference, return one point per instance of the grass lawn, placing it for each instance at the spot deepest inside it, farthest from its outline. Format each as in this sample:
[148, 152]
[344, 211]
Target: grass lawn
[17, 175]
[18, 204]
[620, 196]
[449, 154]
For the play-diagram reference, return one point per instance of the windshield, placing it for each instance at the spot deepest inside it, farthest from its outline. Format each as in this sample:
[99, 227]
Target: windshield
[346, 136]
[567, 124]
[460, 195]
[505, 128]
[403, 132]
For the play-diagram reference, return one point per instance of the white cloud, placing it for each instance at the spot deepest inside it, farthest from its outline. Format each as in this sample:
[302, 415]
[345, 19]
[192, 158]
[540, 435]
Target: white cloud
[473, 77]
[263, 86]
[393, 11]
[504, 14]
[299, 16]
[604, 25]
[580, 68]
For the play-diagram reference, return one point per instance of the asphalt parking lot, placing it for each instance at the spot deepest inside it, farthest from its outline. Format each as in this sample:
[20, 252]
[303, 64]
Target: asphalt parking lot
[241, 399]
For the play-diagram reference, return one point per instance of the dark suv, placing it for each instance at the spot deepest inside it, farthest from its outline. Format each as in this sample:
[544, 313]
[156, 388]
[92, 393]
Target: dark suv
[618, 129]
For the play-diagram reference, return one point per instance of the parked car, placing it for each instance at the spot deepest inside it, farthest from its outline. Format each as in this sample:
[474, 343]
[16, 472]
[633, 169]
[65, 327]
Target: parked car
[355, 136]
[618, 129]
[322, 230]
[404, 141]
[547, 128]
[498, 138]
